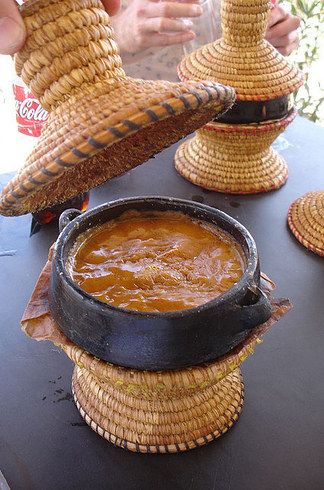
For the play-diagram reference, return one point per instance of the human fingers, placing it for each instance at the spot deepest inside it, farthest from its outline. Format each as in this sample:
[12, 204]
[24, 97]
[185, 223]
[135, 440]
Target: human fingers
[283, 28]
[165, 24]
[12, 28]
[111, 6]
[276, 14]
[171, 9]
[160, 40]
[287, 44]
[287, 50]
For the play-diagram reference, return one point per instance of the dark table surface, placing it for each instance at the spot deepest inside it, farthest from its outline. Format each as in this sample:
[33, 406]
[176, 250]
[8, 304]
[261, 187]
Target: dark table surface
[278, 442]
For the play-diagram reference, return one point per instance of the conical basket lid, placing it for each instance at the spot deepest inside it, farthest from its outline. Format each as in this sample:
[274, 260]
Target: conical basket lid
[242, 58]
[101, 122]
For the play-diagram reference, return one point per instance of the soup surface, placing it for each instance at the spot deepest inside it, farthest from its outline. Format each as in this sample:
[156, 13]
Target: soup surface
[155, 261]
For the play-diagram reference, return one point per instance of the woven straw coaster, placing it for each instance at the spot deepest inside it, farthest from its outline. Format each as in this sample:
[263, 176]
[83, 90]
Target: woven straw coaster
[164, 411]
[162, 426]
[306, 221]
[101, 122]
[159, 412]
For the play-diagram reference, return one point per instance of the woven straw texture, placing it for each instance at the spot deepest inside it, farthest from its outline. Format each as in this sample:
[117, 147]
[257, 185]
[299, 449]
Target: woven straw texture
[101, 122]
[306, 221]
[236, 159]
[166, 426]
[159, 412]
[242, 58]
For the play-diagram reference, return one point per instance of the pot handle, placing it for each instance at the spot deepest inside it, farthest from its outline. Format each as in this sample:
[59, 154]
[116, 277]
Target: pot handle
[256, 313]
[67, 216]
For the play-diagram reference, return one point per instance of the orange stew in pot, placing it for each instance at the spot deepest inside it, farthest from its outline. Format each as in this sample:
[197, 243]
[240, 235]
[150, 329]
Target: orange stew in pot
[155, 261]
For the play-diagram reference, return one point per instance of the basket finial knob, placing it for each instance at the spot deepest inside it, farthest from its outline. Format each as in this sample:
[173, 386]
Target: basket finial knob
[244, 23]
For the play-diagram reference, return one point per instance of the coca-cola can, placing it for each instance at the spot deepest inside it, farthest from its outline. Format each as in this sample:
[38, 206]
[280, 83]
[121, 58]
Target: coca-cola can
[30, 115]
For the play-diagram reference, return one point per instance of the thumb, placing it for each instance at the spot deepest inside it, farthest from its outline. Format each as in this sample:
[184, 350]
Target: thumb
[12, 28]
[111, 6]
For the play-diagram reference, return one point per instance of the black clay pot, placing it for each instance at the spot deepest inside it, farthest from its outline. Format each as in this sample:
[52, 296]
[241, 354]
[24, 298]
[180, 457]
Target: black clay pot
[156, 341]
[256, 111]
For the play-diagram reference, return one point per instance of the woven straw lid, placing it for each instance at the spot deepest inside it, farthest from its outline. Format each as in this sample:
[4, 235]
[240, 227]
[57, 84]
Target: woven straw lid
[101, 122]
[306, 221]
[242, 58]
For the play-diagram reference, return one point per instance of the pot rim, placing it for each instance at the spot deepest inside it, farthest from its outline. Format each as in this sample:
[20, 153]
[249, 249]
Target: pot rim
[251, 257]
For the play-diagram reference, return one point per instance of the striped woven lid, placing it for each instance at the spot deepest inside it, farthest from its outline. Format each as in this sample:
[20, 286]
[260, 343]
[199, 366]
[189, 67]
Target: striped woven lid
[242, 58]
[101, 122]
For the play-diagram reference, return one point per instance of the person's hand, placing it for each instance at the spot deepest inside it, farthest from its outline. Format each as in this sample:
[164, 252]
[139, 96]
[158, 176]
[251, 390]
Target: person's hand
[149, 23]
[111, 6]
[282, 30]
[12, 28]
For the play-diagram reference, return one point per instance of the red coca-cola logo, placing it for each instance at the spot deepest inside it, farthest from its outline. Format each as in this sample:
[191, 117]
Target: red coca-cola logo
[31, 110]
[29, 113]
